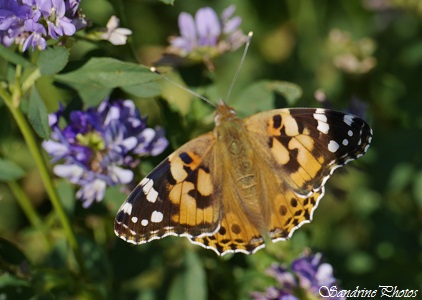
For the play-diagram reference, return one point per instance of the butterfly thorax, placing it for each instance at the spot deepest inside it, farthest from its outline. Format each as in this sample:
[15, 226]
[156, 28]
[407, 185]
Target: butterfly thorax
[239, 164]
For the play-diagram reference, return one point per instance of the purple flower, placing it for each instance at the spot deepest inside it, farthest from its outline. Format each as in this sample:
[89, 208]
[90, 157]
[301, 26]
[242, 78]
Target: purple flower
[32, 22]
[35, 39]
[98, 147]
[58, 24]
[207, 35]
[307, 276]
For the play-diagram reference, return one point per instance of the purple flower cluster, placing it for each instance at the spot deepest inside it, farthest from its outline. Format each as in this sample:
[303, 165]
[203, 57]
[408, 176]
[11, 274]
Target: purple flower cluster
[98, 147]
[207, 35]
[307, 279]
[31, 22]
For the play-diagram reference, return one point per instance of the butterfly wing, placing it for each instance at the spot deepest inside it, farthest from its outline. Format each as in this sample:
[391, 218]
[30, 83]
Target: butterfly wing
[236, 232]
[178, 197]
[300, 149]
[304, 145]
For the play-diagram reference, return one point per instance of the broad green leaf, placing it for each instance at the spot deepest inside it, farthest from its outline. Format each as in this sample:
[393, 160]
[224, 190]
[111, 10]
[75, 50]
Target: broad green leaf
[291, 91]
[12, 57]
[99, 76]
[256, 98]
[37, 115]
[93, 96]
[260, 96]
[190, 283]
[53, 60]
[146, 90]
[9, 170]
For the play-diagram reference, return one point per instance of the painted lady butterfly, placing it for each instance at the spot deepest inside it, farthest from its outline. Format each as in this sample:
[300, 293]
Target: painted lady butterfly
[247, 179]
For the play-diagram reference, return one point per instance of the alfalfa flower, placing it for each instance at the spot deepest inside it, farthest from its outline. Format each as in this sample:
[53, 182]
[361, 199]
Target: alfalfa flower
[100, 147]
[31, 23]
[307, 278]
[206, 35]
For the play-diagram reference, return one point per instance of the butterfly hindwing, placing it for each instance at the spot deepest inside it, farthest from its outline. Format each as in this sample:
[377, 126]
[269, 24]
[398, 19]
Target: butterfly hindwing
[236, 232]
[178, 197]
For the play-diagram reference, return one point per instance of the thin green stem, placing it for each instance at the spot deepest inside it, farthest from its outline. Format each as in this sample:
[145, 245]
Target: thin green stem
[45, 175]
[29, 210]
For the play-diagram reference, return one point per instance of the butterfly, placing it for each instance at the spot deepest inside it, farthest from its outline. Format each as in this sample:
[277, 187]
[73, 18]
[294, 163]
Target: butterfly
[246, 181]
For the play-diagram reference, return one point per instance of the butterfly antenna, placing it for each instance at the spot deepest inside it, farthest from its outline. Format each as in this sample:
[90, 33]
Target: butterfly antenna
[153, 69]
[248, 42]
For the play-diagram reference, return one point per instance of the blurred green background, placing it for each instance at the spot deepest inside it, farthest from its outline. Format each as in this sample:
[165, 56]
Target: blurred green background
[368, 225]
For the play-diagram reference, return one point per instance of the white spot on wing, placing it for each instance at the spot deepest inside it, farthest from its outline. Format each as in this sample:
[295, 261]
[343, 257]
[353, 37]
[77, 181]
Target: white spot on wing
[320, 116]
[333, 146]
[156, 217]
[345, 142]
[152, 195]
[323, 127]
[348, 119]
[147, 185]
[127, 208]
[134, 219]
[350, 133]
[149, 191]
[144, 222]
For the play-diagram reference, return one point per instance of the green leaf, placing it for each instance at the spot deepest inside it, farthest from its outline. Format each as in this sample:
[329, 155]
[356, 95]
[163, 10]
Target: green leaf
[9, 170]
[92, 96]
[53, 60]
[12, 57]
[99, 76]
[255, 98]
[147, 90]
[291, 91]
[260, 96]
[190, 283]
[38, 116]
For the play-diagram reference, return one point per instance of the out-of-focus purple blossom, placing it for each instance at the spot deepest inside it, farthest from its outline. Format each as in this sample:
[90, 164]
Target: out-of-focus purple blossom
[206, 35]
[98, 147]
[31, 23]
[115, 34]
[307, 278]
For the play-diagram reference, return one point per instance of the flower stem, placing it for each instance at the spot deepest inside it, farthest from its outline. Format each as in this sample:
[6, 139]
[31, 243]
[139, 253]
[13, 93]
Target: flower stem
[42, 168]
[29, 210]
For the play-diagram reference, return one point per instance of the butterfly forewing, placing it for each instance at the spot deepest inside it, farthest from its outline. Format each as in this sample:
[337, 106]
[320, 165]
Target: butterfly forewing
[179, 197]
[305, 145]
